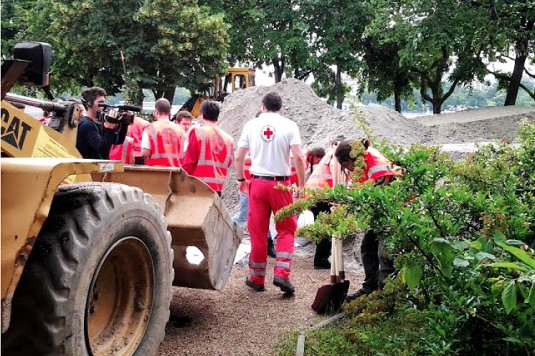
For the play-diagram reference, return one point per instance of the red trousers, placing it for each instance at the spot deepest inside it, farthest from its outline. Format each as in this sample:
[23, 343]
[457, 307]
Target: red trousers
[264, 199]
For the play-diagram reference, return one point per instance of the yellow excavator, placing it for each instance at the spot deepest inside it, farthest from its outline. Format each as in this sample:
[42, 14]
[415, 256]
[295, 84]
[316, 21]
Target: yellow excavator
[236, 78]
[91, 248]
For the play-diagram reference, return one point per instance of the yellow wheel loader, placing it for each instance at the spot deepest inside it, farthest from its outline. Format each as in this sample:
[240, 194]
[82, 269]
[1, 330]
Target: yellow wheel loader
[92, 248]
[236, 77]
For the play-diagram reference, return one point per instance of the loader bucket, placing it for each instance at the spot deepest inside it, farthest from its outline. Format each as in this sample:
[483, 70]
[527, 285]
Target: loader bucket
[196, 217]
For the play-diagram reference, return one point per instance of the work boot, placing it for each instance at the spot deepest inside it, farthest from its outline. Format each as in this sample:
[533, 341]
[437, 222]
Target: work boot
[271, 248]
[358, 294]
[284, 284]
[254, 286]
[322, 265]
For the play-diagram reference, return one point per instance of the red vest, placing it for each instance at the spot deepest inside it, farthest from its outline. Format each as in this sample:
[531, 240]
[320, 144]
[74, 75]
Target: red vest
[377, 166]
[215, 156]
[124, 152]
[136, 132]
[321, 175]
[166, 144]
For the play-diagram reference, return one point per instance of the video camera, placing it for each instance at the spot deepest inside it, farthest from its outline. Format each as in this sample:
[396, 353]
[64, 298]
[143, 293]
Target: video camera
[120, 114]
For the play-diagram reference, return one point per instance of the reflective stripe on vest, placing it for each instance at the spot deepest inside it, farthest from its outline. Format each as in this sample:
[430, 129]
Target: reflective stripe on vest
[165, 153]
[378, 165]
[380, 168]
[205, 161]
[212, 167]
[121, 152]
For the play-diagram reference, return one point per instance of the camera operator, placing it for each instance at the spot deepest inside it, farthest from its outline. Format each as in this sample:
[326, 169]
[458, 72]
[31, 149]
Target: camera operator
[94, 139]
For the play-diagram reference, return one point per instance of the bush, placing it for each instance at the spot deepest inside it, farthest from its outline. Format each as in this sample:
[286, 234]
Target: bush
[462, 237]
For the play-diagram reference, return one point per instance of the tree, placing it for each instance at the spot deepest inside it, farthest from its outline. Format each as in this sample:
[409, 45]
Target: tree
[510, 31]
[383, 74]
[268, 32]
[153, 44]
[437, 42]
[335, 40]
[191, 46]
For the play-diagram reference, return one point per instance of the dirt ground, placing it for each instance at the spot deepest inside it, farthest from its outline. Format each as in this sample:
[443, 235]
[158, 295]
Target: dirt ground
[238, 321]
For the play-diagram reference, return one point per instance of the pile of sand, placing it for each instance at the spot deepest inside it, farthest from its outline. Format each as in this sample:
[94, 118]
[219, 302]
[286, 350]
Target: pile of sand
[319, 122]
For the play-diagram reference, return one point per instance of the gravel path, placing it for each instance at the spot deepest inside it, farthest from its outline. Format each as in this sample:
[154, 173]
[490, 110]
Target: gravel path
[239, 321]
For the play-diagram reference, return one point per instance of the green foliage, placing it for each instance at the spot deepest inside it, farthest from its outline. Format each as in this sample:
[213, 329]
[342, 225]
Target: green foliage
[269, 32]
[462, 237]
[154, 44]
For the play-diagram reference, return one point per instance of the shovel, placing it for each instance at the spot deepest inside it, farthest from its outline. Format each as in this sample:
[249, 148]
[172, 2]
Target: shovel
[342, 286]
[329, 298]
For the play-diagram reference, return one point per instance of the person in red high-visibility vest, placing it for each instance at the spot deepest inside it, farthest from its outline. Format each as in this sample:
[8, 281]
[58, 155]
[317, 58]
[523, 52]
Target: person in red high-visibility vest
[210, 149]
[123, 152]
[380, 170]
[163, 141]
[135, 130]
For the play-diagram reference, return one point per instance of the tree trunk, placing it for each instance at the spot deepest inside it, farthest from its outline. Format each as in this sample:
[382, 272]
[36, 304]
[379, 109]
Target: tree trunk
[397, 98]
[339, 90]
[165, 91]
[437, 105]
[170, 94]
[279, 69]
[516, 78]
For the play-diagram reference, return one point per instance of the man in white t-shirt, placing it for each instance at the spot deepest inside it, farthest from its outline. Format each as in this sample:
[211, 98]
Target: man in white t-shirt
[270, 138]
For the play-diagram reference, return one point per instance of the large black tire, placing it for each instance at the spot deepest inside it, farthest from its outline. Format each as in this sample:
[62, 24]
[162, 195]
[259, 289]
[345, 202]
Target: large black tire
[70, 299]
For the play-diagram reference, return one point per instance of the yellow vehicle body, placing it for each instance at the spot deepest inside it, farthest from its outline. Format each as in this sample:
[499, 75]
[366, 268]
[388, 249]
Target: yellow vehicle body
[236, 77]
[37, 161]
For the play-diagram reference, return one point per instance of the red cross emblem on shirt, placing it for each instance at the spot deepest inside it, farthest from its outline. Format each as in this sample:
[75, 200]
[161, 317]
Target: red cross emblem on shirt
[268, 133]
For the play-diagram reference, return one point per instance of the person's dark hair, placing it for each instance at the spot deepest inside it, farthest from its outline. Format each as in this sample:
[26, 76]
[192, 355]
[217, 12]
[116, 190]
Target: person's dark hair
[184, 114]
[89, 95]
[210, 110]
[366, 142]
[163, 106]
[314, 152]
[317, 152]
[272, 101]
[343, 152]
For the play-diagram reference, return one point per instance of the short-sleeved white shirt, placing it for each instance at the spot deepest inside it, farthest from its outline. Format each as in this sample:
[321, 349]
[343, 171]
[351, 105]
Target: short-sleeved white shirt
[268, 138]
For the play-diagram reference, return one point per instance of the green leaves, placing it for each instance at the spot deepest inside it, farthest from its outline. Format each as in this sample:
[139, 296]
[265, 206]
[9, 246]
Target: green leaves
[519, 253]
[459, 234]
[509, 265]
[411, 275]
[444, 254]
[164, 44]
[509, 297]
